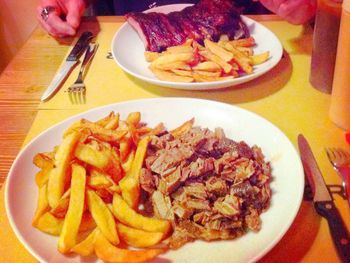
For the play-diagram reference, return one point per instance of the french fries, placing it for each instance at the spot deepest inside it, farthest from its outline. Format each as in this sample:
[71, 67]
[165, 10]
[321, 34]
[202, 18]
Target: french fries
[183, 128]
[49, 224]
[42, 206]
[77, 183]
[61, 209]
[86, 247]
[192, 62]
[103, 217]
[126, 215]
[106, 251]
[58, 175]
[130, 183]
[75, 210]
[138, 238]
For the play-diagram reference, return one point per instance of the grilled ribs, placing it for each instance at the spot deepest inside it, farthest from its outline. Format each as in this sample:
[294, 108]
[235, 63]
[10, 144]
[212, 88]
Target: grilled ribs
[207, 19]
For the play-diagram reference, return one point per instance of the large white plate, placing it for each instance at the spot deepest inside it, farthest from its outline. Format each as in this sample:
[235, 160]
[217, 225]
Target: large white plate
[128, 52]
[287, 184]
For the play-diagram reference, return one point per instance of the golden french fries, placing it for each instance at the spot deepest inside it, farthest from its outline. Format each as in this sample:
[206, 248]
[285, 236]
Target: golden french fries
[192, 62]
[133, 118]
[103, 122]
[86, 247]
[209, 66]
[107, 252]
[102, 133]
[74, 214]
[217, 50]
[58, 175]
[87, 222]
[128, 162]
[42, 177]
[49, 224]
[113, 122]
[183, 128]
[42, 205]
[61, 209]
[96, 157]
[52, 225]
[77, 183]
[151, 56]
[260, 58]
[170, 76]
[167, 59]
[126, 215]
[103, 217]
[138, 238]
[99, 179]
[130, 183]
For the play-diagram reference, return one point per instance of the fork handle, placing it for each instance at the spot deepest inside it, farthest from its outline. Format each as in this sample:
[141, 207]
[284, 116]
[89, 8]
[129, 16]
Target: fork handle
[345, 174]
[339, 232]
[90, 51]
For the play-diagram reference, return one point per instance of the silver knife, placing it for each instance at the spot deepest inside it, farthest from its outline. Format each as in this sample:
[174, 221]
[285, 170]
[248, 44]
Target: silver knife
[71, 61]
[323, 201]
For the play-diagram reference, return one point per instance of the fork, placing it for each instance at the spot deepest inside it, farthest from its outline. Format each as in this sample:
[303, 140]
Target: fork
[340, 159]
[77, 92]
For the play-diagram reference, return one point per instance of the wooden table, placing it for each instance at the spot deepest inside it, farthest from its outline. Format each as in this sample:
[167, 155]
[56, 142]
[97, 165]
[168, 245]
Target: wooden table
[284, 92]
[21, 85]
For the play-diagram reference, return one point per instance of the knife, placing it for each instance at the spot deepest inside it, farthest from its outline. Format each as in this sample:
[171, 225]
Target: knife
[71, 61]
[323, 201]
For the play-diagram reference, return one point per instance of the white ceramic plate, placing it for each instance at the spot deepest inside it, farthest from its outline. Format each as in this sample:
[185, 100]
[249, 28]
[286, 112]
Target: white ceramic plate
[128, 52]
[287, 184]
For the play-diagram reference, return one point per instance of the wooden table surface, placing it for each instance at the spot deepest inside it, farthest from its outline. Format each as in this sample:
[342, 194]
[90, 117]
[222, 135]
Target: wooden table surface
[288, 93]
[21, 85]
[23, 82]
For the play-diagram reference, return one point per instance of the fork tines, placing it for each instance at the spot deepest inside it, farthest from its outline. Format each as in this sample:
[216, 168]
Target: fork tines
[338, 156]
[77, 93]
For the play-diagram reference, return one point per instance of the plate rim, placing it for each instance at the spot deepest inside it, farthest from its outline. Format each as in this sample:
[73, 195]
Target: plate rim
[262, 253]
[200, 86]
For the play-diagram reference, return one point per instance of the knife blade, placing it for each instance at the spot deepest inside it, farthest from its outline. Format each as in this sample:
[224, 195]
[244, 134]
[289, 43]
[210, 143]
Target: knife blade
[71, 61]
[323, 201]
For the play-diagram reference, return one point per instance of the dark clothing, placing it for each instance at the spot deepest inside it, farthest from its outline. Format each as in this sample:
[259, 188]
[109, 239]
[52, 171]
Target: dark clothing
[122, 7]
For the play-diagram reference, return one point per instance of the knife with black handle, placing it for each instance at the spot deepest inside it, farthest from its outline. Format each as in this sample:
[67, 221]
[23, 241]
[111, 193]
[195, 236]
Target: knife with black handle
[67, 66]
[323, 201]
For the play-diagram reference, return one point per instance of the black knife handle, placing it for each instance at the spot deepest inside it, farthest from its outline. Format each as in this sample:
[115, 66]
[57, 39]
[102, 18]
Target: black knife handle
[338, 230]
[80, 46]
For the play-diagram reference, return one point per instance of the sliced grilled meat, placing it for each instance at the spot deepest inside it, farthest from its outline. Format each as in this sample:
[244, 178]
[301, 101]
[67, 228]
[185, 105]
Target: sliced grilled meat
[207, 19]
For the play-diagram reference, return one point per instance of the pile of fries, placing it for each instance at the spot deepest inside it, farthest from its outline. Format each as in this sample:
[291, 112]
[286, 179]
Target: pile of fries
[89, 191]
[192, 62]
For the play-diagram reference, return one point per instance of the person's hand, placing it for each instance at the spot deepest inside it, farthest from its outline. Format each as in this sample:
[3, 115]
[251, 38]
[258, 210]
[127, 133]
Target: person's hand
[294, 11]
[64, 19]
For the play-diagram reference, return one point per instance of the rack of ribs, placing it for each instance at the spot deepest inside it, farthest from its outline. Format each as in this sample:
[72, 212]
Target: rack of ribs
[206, 19]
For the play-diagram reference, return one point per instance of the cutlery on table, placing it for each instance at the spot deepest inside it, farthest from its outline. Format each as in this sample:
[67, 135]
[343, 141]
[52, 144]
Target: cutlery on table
[323, 201]
[78, 90]
[71, 61]
[340, 159]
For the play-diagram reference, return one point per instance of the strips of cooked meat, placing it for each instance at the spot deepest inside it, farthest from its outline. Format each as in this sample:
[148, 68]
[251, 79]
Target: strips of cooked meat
[209, 185]
[207, 19]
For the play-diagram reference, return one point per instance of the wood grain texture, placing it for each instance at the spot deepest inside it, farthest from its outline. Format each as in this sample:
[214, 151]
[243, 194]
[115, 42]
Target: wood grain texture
[21, 85]
[25, 79]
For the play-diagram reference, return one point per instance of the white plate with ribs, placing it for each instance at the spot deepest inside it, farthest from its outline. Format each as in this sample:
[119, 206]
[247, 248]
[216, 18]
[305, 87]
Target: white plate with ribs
[128, 52]
[238, 124]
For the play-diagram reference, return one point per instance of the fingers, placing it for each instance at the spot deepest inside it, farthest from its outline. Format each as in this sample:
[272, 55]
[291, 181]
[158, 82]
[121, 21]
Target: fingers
[74, 13]
[54, 25]
[272, 5]
[294, 11]
[297, 11]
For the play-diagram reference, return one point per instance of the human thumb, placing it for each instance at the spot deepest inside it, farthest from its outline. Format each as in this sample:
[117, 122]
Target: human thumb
[75, 10]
